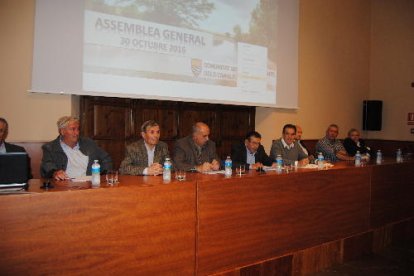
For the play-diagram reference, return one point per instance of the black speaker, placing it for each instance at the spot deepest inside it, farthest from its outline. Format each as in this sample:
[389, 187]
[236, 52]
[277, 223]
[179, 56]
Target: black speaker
[372, 115]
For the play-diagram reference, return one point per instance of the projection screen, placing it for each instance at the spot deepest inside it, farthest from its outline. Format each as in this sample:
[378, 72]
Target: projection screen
[214, 51]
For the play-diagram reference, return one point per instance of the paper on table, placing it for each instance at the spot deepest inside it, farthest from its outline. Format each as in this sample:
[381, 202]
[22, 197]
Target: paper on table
[214, 172]
[82, 178]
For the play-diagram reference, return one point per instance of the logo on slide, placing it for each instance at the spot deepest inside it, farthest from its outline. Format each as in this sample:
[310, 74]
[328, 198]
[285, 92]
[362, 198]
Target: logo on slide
[196, 66]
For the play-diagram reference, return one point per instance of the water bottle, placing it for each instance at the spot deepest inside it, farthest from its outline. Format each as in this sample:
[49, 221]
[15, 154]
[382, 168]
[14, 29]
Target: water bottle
[227, 167]
[279, 163]
[379, 157]
[96, 173]
[166, 173]
[321, 160]
[399, 158]
[358, 159]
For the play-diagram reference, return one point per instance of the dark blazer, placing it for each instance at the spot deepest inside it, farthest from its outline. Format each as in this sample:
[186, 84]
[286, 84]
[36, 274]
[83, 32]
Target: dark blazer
[136, 157]
[186, 157]
[239, 155]
[55, 159]
[15, 148]
[351, 147]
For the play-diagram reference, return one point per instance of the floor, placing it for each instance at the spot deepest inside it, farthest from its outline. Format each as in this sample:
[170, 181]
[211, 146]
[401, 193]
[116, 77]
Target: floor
[393, 261]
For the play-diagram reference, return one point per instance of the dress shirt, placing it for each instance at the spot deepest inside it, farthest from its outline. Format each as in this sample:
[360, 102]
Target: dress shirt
[250, 157]
[77, 161]
[2, 148]
[150, 153]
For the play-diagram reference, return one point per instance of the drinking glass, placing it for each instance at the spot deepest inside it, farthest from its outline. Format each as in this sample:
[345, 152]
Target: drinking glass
[241, 169]
[112, 177]
[180, 175]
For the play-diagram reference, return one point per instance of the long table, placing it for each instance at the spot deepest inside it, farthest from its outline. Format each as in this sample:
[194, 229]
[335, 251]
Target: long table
[207, 224]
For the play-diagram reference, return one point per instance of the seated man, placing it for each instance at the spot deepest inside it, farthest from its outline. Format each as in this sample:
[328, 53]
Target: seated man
[288, 148]
[331, 148]
[196, 152]
[354, 143]
[146, 156]
[250, 152]
[71, 156]
[7, 147]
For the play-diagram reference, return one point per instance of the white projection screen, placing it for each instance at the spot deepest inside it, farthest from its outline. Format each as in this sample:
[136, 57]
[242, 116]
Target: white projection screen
[215, 51]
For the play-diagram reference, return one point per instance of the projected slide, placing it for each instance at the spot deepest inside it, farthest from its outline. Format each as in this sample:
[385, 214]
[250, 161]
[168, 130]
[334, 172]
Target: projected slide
[216, 50]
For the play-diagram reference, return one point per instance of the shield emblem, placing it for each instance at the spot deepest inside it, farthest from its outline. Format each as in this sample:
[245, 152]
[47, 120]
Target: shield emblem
[196, 66]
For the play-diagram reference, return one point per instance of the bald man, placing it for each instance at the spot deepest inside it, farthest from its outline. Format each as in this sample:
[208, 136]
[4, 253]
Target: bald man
[196, 152]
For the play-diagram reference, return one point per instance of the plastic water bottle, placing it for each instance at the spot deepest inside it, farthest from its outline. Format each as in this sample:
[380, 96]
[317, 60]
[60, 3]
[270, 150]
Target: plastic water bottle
[228, 167]
[399, 158]
[358, 159]
[279, 163]
[96, 173]
[379, 157]
[321, 161]
[166, 173]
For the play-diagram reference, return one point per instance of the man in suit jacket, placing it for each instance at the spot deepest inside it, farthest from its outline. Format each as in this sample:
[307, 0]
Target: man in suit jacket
[7, 147]
[250, 152]
[196, 152]
[146, 156]
[71, 156]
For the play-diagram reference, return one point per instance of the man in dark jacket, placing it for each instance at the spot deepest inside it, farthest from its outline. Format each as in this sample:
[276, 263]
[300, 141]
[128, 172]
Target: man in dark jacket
[7, 147]
[250, 152]
[71, 156]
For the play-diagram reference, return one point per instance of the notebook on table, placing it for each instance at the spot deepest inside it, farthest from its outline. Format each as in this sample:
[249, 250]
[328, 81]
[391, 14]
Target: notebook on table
[14, 167]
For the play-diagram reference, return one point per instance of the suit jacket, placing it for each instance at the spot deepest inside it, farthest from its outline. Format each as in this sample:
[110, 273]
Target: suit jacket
[136, 157]
[186, 156]
[239, 155]
[351, 147]
[15, 148]
[55, 159]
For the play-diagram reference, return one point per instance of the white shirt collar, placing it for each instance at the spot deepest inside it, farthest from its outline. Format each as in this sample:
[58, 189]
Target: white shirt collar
[285, 145]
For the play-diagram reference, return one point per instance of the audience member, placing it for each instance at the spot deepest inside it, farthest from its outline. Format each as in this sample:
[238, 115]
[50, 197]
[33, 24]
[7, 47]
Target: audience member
[288, 148]
[354, 143]
[331, 148]
[71, 156]
[146, 156]
[251, 152]
[196, 152]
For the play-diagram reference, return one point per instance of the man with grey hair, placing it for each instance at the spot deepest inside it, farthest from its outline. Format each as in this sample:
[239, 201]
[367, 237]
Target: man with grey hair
[146, 156]
[196, 152]
[71, 156]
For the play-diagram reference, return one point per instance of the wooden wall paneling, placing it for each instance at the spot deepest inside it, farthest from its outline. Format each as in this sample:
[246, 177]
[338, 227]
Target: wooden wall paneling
[108, 122]
[125, 230]
[317, 258]
[392, 193]
[272, 215]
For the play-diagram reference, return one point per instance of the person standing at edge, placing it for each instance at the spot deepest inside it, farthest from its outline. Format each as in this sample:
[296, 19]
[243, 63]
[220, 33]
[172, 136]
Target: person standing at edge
[71, 156]
[196, 152]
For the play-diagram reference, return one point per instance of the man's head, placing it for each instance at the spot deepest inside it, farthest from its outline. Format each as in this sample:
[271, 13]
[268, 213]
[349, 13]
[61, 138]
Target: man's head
[289, 133]
[201, 131]
[4, 130]
[332, 132]
[298, 136]
[150, 132]
[354, 135]
[68, 127]
[252, 141]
